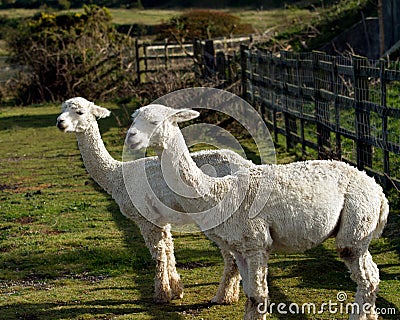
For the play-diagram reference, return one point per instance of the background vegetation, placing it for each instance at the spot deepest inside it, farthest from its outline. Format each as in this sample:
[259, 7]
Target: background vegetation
[66, 4]
[66, 53]
[70, 54]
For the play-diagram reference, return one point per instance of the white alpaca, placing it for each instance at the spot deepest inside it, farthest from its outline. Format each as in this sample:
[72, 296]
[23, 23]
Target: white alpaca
[308, 203]
[79, 116]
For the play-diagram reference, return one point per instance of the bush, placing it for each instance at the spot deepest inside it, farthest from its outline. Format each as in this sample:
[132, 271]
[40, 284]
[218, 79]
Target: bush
[204, 24]
[70, 55]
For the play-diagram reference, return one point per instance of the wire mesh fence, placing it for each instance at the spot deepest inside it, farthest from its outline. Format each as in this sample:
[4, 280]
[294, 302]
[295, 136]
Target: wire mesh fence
[340, 107]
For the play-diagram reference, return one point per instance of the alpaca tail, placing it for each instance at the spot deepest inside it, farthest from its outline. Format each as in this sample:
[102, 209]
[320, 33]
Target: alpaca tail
[383, 215]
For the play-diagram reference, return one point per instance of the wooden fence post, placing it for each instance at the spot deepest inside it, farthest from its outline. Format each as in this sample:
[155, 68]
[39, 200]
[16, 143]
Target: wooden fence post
[243, 66]
[272, 66]
[321, 109]
[362, 116]
[386, 166]
[137, 60]
[335, 80]
[290, 121]
[209, 57]
[221, 65]
[145, 61]
[229, 64]
[302, 121]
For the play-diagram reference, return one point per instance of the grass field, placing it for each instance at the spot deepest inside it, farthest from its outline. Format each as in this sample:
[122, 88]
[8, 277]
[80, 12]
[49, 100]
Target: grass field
[67, 253]
[262, 20]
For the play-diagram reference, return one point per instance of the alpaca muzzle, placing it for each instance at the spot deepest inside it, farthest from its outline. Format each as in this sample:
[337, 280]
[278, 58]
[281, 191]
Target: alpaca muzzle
[61, 125]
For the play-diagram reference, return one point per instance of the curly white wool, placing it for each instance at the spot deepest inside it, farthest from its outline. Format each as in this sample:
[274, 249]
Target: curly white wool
[79, 116]
[309, 202]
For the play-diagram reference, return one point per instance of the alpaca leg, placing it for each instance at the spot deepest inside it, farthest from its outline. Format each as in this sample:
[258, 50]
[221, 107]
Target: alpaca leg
[155, 240]
[229, 287]
[162, 288]
[256, 288]
[174, 278]
[359, 220]
[366, 274]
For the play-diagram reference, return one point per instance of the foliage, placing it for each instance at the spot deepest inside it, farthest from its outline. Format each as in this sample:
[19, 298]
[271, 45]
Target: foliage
[70, 54]
[204, 24]
[66, 4]
[330, 22]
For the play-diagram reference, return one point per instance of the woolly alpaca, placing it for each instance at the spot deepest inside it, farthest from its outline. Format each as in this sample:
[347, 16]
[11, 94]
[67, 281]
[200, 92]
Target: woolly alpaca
[79, 116]
[309, 202]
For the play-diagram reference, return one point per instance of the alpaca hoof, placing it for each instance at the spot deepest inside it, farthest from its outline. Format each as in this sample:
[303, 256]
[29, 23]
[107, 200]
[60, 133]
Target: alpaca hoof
[163, 297]
[254, 310]
[177, 292]
[227, 294]
[224, 300]
[176, 288]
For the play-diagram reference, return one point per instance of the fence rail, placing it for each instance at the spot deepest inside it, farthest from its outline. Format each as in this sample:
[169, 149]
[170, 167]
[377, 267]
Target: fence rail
[153, 57]
[345, 108]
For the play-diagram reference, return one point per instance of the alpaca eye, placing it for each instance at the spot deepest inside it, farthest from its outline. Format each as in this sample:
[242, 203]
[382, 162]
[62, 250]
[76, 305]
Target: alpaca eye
[79, 113]
[155, 123]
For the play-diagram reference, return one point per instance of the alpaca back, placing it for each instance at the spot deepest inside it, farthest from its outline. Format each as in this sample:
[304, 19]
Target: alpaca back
[306, 203]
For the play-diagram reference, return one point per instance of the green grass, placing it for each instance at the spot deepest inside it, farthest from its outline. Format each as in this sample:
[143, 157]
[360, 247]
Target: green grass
[262, 20]
[276, 20]
[146, 17]
[67, 253]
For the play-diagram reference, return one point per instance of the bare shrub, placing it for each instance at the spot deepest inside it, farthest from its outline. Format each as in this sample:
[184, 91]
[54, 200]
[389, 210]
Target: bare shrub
[71, 54]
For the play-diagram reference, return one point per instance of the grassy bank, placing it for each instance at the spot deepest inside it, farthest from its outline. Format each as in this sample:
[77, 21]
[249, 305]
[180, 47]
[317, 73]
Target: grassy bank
[67, 253]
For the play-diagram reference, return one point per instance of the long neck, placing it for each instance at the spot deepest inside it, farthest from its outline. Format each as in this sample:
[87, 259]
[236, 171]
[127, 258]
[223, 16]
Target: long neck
[98, 162]
[202, 195]
[179, 170]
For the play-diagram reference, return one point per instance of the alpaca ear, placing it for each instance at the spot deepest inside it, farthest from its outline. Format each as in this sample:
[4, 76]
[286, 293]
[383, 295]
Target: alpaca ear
[100, 112]
[185, 115]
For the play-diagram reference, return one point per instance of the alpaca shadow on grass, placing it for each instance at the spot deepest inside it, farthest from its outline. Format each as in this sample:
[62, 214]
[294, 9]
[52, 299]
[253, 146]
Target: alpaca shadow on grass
[319, 268]
[39, 311]
[144, 266]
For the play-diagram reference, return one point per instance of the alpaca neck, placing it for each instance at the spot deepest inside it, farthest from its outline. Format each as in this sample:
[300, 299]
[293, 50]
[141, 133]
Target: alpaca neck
[98, 162]
[180, 171]
[200, 193]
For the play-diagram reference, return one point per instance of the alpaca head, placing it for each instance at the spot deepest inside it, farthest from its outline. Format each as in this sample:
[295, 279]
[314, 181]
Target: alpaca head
[78, 114]
[153, 124]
